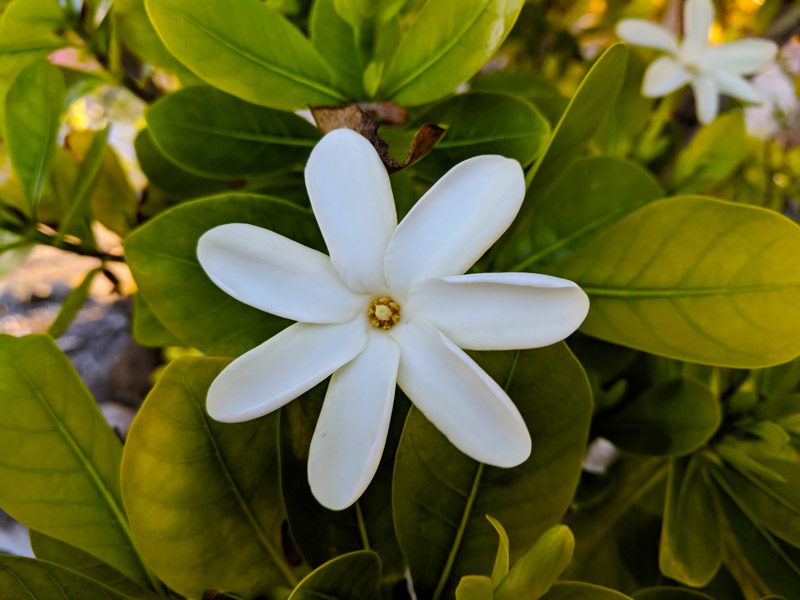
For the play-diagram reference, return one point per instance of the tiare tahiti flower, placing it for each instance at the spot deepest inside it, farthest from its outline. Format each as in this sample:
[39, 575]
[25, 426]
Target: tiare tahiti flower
[389, 306]
[711, 70]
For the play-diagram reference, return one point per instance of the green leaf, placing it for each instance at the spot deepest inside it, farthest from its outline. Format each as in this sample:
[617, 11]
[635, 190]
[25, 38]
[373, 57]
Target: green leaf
[695, 279]
[210, 133]
[72, 305]
[585, 112]
[712, 155]
[14, 250]
[202, 496]
[590, 195]
[503, 557]
[39, 580]
[30, 25]
[775, 504]
[147, 330]
[575, 590]
[247, 49]
[668, 419]
[776, 565]
[33, 108]
[446, 45]
[353, 576]
[51, 550]
[484, 123]
[323, 534]
[136, 33]
[475, 587]
[60, 465]
[162, 257]
[691, 539]
[670, 593]
[335, 39]
[533, 574]
[85, 181]
[441, 495]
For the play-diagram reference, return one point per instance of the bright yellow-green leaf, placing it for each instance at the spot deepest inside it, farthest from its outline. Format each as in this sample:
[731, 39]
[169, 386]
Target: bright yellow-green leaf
[502, 559]
[60, 465]
[475, 587]
[695, 279]
[247, 49]
[446, 45]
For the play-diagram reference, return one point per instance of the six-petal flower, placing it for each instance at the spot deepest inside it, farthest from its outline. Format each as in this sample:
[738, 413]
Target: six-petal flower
[390, 306]
[711, 70]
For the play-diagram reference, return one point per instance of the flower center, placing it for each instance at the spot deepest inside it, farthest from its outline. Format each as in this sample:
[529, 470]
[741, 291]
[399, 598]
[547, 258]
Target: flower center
[383, 313]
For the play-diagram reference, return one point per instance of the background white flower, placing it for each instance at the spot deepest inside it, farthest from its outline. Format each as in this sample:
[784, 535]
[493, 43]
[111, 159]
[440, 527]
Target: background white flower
[711, 70]
[390, 306]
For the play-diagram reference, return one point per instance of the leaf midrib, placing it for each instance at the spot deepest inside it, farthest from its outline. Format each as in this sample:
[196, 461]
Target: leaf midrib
[243, 135]
[622, 292]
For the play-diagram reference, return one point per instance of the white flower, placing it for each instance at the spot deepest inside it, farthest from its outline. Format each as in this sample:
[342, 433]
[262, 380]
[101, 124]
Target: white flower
[390, 306]
[711, 70]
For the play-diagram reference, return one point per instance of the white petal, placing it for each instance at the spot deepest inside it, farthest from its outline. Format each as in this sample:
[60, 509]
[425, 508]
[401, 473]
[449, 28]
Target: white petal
[663, 76]
[706, 99]
[500, 311]
[459, 398]
[736, 86]
[352, 200]
[282, 368]
[456, 221]
[742, 56]
[698, 15]
[352, 427]
[640, 32]
[275, 274]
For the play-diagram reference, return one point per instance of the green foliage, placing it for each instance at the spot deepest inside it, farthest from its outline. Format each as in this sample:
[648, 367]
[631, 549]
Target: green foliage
[182, 471]
[694, 279]
[354, 576]
[26, 578]
[441, 495]
[33, 108]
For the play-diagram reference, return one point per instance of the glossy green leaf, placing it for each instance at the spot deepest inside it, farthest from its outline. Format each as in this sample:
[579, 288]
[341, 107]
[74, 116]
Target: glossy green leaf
[712, 155]
[51, 550]
[446, 45]
[695, 279]
[72, 305]
[441, 495]
[354, 576]
[671, 418]
[775, 504]
[670, 593]
[335, 39]
[590, 195]
[585, 112]
[33, 108]
[60, 466]
[322, 534]
[202, 496]
[137, 34]
[38, 580]
[210, 133]
[575, 590]
[29, 25]
[162, 257]
[484, 123]
[691, 538]
[502, 558]
[475, 587]
[777, 565]
[247, 49]
[533, 574]
[85, 181]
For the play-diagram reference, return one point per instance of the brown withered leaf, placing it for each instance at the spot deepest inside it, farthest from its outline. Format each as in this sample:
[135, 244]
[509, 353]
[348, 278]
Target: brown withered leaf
[353, 116]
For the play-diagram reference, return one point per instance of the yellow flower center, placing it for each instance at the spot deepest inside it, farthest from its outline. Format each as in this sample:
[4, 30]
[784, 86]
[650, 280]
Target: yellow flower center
[383, 313]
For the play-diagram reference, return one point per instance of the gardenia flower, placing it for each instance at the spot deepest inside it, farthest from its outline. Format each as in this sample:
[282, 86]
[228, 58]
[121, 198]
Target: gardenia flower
[389, 306]
[711, 70]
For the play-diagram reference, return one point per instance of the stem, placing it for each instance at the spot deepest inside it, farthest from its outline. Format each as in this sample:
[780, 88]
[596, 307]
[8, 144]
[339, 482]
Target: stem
[39, 237]
[362, 527]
